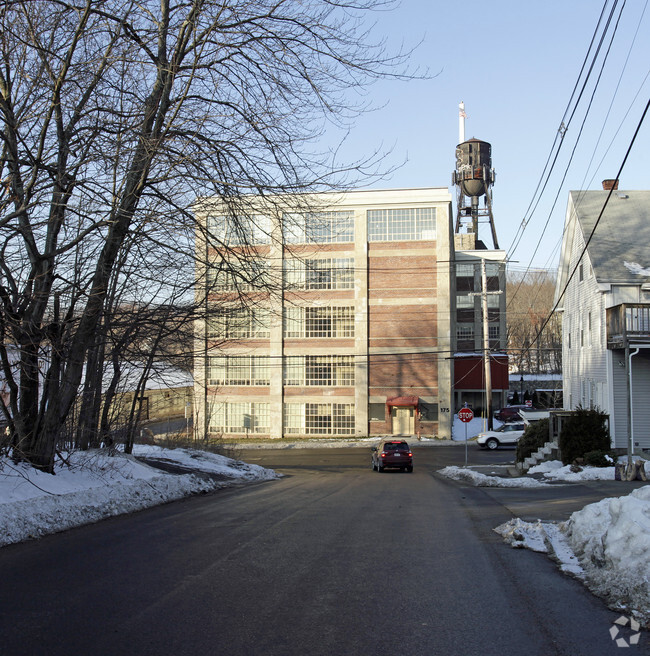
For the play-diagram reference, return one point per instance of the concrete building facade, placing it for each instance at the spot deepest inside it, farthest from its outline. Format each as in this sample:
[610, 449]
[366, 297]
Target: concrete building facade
[345, 326]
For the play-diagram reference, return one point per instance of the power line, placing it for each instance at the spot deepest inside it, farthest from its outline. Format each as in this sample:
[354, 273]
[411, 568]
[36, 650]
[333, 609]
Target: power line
[588, 241]
[561, 131]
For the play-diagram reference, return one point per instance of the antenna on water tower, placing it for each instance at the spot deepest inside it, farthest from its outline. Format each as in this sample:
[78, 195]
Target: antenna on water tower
[461, 122]
[474, 177]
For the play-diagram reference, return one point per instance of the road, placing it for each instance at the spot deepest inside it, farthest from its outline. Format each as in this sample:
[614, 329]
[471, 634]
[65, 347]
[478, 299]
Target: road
[332, 559]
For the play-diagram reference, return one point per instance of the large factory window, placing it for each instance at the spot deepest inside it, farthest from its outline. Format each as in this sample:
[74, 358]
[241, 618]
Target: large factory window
[402, 225]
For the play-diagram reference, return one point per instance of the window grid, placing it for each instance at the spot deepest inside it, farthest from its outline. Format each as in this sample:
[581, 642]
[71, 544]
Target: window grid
[239, 370]
[240, 230]
[240, 418]
[319, 370]
[319, 418]
[464, 301]
[244, 276]
[326, 273]
[318, 227]
[242, 323]
[491, 269]
[465, 331]
[402, 225]
[493, 332]
[465, 270]
[319, 322]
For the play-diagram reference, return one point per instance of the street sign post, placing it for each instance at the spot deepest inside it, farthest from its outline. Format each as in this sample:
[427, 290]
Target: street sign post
[466, 415]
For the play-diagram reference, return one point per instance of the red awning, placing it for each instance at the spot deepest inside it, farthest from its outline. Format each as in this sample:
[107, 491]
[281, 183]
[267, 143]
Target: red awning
[403, 401]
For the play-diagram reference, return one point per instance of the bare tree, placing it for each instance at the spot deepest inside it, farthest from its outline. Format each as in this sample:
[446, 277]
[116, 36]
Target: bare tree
[116, 116]
[530, 301]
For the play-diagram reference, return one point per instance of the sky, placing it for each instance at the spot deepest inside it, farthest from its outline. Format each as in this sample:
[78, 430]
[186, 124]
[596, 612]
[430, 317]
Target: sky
[515, 66]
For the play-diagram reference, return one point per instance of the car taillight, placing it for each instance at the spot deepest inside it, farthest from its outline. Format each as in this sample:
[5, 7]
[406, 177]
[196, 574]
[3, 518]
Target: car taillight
[410, 454]
[383, 454]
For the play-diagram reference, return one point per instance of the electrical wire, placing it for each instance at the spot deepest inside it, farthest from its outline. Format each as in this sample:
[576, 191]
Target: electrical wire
[588, 241]
[561, 132]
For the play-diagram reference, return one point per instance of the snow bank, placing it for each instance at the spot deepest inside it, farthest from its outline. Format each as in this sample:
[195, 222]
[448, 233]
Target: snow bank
[606, 544]
[555, 471]
[91, 485]
[612, 541]
[481, 480]
[544, 537]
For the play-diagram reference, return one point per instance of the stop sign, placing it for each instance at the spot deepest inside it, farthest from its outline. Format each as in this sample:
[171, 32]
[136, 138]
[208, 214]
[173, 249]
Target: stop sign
[465, 414]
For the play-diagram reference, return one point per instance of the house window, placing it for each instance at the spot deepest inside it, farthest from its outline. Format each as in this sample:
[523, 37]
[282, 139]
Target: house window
[318, 227]
[402, 225]
[334, 322]
[581, 273]
[238, 370]
[240, 418]
[319, 418]
[493, 332]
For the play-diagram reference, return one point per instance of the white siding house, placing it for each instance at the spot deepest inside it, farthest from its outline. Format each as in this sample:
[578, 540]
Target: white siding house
[603, 289]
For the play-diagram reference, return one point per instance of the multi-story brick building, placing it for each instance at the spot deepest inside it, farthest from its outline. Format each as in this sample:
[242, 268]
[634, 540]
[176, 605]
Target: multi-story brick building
[340, 323]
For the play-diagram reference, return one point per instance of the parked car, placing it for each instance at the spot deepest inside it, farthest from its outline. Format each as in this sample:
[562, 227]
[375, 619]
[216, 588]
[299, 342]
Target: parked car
[510, 413]
[506, 435]
[392, 454]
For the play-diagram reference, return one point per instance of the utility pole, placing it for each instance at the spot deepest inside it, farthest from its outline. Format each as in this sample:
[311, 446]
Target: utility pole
[484, 293]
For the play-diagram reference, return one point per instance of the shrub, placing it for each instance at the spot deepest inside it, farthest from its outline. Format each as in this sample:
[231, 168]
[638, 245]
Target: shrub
[534, 437]
[584, 431]
[600, 458]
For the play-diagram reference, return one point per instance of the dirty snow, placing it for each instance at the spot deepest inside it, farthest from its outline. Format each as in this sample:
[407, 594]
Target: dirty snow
[606, 544]
[91, 485]
[483, 480]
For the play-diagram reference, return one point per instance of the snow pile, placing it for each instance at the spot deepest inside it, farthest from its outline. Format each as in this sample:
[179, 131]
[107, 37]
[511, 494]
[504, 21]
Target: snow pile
[481, 480]
[91, 485]
[544, 537]
[612, 541]
[205, 461]
[554, 470]
[606, 544]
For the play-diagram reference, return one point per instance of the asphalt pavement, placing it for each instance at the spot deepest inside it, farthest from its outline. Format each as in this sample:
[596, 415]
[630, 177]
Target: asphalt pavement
[332, 559]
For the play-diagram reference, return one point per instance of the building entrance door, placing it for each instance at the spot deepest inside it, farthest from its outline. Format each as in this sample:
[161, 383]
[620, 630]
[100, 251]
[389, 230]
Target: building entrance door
[403, 421]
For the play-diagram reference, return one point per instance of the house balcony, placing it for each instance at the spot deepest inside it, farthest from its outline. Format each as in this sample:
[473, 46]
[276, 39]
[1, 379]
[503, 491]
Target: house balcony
[628, 324]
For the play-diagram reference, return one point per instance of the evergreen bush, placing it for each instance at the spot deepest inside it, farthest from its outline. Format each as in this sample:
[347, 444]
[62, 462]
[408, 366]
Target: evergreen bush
[600, 458]
[534, 437]
[584, 431]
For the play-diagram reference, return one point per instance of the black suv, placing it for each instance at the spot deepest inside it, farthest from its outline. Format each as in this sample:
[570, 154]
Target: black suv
[392, 453]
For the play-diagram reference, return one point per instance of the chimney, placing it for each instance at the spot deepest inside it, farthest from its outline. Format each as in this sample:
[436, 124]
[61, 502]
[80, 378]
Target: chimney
[608, 185]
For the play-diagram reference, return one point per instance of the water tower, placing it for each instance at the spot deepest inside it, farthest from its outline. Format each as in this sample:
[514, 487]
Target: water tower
[473, 177]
